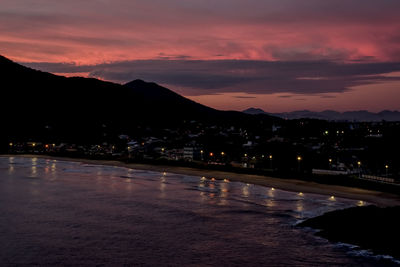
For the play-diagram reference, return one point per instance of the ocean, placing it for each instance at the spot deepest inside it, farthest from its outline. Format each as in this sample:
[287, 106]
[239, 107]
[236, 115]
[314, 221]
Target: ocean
[56, 213]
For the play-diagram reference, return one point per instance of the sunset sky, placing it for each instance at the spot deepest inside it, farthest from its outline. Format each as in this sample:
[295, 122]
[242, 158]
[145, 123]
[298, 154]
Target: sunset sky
[278, 55]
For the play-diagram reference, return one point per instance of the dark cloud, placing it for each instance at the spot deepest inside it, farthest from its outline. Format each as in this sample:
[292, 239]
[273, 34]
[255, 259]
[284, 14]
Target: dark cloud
[285, 96]
[328, 96]
[244, 97]
[198, 77]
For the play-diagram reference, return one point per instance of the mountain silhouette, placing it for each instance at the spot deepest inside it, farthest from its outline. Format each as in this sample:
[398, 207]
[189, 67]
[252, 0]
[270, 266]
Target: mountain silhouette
[38, 104]
[331, 115]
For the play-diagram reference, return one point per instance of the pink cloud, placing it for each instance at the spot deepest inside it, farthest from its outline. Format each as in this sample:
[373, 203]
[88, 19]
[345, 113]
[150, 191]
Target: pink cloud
[96, 31]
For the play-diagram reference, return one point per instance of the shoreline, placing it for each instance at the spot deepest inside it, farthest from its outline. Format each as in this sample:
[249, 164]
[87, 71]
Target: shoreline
[378, 198]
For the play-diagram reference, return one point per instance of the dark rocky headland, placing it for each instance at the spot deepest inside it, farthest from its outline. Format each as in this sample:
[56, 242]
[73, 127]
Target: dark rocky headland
[370, 227]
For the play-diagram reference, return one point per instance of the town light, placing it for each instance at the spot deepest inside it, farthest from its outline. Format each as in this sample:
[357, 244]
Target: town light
[330, 160]
[299, 158]
[11, 144]
[386, 166]
[211, 154]
[222, 153]
[270, 156]
[359, 163]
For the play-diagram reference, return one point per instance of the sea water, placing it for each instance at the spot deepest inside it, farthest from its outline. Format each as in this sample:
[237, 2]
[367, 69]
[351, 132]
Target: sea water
[66, 213]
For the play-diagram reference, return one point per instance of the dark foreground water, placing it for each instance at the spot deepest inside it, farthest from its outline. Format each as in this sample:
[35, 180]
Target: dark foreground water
[64, 213]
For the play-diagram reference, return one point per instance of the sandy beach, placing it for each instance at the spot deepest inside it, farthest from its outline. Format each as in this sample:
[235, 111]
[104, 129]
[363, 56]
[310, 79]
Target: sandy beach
[381, 199]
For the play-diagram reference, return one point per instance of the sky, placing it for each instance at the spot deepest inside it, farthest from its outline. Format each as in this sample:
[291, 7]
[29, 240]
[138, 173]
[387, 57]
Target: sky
[278, 55]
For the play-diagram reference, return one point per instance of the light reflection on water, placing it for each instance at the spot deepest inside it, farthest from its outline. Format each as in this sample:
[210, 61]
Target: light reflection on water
[10, 165]
[163, 186]
[77, 214]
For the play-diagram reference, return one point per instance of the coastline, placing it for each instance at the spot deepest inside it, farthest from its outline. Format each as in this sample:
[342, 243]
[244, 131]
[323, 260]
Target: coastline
[380, 199]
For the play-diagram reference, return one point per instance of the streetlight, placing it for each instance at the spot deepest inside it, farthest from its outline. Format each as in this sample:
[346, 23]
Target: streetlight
[386, 169]
[299, 159]
[330, 163]
[270, 161]
[359, 168]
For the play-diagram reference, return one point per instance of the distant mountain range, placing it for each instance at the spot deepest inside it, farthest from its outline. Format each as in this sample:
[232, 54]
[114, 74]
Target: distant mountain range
[331, 115]
[37, 104]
